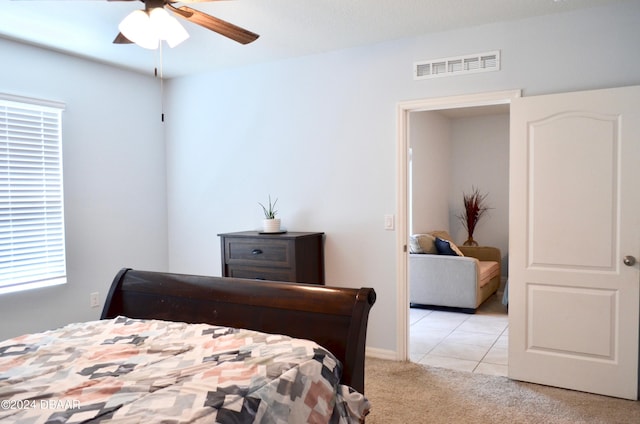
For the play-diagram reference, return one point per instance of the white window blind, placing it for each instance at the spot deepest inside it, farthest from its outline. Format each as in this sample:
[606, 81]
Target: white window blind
[32, 248]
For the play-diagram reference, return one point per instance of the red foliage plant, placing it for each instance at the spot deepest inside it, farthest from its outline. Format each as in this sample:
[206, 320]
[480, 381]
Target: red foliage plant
[474, 208]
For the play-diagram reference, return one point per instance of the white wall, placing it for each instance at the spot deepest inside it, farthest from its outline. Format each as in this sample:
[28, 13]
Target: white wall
[319, 133]
[451, 155]
[480, 158]
[114, 180]
[431, 145]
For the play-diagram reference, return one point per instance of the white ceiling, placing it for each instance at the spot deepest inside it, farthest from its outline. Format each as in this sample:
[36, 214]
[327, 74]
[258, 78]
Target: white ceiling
[287, 28]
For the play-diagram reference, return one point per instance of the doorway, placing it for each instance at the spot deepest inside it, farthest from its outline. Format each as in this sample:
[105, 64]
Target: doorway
[451, 106]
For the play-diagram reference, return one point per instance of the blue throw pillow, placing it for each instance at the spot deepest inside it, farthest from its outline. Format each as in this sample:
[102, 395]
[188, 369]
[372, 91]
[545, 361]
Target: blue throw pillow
[444, 247]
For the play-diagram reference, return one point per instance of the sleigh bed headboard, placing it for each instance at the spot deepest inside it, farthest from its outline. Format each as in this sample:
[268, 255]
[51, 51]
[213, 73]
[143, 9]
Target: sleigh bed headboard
[334, 317]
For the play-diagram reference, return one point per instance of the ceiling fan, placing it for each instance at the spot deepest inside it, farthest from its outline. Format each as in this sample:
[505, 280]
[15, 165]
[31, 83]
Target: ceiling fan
[137, 27]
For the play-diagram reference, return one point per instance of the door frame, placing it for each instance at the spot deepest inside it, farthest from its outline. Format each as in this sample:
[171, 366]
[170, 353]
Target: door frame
[403, 110]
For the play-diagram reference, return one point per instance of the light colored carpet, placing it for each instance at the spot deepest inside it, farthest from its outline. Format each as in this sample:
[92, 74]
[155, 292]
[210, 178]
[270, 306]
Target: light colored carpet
[404, 392]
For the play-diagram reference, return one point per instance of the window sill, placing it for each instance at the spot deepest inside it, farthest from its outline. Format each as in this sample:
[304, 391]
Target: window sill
[35, 285]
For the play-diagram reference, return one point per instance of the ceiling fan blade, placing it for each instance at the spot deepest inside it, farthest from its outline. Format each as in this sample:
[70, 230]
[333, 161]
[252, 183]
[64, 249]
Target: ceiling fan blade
[225, 28]
[193, 1]
[121, 39]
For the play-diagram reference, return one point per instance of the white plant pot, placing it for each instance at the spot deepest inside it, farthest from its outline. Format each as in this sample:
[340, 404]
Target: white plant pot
[271, 225]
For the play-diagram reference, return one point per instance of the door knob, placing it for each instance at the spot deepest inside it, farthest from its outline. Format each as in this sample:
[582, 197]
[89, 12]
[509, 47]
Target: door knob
[629, 260]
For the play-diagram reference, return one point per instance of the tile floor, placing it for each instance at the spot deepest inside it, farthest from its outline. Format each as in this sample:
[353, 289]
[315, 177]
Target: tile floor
[466, 342]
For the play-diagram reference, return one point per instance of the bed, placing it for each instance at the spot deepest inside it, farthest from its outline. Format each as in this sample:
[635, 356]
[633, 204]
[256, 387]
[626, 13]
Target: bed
[196, 349]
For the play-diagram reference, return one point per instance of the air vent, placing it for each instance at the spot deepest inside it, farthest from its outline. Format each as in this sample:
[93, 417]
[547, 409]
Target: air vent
[449, 66]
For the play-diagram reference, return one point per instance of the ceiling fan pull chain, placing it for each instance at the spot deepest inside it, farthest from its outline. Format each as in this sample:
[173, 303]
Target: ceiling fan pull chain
[159, 59]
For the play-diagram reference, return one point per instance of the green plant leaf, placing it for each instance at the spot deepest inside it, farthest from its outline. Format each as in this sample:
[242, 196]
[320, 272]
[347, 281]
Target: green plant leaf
[269, 212]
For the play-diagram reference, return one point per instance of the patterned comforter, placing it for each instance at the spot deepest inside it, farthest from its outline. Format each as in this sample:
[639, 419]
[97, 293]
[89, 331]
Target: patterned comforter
[148, 371]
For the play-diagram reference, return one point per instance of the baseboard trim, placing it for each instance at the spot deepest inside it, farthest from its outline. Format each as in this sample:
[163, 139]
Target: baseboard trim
[381, 353]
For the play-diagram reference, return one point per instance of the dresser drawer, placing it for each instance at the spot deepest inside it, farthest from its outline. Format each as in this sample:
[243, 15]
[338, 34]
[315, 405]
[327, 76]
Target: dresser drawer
[274, 253]
[260, 273]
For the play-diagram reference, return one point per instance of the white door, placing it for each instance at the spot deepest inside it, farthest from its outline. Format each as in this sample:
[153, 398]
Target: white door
[574, 217]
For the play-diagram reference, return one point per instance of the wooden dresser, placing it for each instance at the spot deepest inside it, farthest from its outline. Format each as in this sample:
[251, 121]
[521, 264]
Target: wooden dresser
[291, 256]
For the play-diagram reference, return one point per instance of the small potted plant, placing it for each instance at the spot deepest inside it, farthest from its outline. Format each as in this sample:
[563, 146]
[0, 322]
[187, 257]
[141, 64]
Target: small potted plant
[270, 224]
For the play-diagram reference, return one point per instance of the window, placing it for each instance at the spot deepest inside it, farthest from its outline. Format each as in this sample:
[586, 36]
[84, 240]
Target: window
[32, 250]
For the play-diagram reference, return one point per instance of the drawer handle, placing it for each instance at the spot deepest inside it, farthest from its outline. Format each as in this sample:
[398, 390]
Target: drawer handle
[256, 252]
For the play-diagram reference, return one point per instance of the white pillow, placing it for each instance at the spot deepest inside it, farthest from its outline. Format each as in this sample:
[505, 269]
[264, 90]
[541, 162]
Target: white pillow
[422, 243]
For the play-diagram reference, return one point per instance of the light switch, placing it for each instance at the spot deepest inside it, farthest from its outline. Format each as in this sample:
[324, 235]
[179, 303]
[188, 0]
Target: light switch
[389, 222]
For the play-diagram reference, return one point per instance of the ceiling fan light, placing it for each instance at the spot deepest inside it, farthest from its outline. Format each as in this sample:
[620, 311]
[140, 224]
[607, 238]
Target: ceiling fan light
[167, 27]
[137, 27]
[177, 34]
